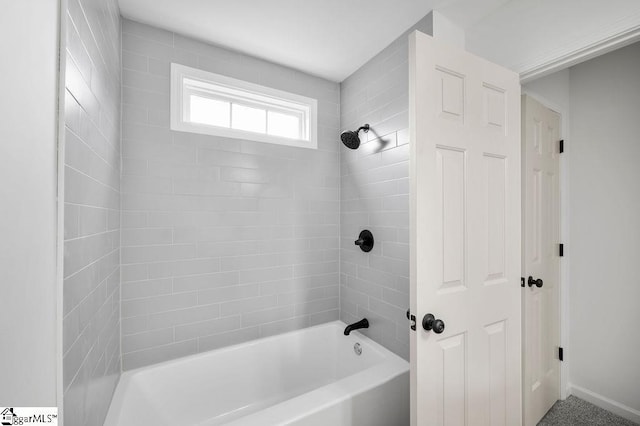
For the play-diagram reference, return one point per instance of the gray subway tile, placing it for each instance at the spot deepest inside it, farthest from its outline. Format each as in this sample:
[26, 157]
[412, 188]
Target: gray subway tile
[205, 281]
[141, 289]
[205, 328]
[316, 306]
[155, 304]
[158, 354]
[267, 315]
[91, 289]
[133, 61]
[325, 316]
[147, 31]
[182, 316]
[146, 340]
[252, 225]
[225, 294]
[220, 340]
[248, 305]
[374, 181]
[283, 326]
[147, 236]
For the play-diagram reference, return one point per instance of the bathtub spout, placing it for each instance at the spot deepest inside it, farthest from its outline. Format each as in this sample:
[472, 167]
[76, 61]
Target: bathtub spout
[363, 323]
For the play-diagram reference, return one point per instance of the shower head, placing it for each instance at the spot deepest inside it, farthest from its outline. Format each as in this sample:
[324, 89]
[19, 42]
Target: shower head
[350, 138]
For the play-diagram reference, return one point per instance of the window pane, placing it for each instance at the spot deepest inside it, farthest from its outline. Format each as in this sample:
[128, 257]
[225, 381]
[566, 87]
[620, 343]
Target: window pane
[285, 125]
[249, 119]
[209, 111]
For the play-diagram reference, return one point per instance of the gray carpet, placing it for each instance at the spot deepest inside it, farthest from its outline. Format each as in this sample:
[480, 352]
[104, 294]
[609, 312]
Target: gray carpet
[577, 412]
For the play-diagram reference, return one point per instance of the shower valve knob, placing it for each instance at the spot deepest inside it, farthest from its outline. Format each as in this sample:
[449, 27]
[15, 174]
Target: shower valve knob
[365, 241]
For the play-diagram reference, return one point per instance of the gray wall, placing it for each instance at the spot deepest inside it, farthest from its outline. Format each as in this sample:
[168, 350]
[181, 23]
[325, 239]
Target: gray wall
[374, 190]
[28, 105]
[223, 240]
[600, 100]
[91, 306]
[604, 226]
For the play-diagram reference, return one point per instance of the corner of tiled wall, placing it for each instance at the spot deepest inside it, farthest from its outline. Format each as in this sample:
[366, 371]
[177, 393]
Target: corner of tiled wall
[374, 195]
[91, 289]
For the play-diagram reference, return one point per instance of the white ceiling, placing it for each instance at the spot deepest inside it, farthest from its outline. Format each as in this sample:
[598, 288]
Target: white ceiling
[328, 38]
[333, 38]
[527, 34]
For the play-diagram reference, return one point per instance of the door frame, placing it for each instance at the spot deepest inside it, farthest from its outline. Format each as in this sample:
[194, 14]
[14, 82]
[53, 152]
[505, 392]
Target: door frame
[565, 385]
[621, 37]
[610, 38]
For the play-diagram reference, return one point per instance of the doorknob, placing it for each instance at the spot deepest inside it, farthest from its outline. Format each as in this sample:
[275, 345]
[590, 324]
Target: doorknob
[429, 322]
[538, 283]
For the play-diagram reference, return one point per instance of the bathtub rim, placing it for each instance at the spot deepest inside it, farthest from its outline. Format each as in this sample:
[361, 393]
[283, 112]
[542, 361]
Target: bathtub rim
[317, 400]
[390, 367]
[184, 359]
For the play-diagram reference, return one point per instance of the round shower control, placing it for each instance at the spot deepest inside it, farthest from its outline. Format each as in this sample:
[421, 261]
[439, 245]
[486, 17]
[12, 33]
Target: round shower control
[365, 241]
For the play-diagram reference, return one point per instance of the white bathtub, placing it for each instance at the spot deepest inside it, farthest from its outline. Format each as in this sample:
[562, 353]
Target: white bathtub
[307, 377]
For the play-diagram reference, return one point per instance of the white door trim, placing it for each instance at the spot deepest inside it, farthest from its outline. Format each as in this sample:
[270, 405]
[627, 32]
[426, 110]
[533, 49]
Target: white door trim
[621, 35]
[60, 184]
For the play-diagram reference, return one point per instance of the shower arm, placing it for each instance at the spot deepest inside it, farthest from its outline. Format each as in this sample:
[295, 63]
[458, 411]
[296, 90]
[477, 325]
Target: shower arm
[365, 128]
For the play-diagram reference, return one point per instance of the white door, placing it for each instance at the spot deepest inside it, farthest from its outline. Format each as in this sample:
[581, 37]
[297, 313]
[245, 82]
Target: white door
[465, 237]
[540, 258]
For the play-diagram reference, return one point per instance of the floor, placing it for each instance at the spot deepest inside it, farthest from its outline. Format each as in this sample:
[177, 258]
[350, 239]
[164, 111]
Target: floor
[577, 412]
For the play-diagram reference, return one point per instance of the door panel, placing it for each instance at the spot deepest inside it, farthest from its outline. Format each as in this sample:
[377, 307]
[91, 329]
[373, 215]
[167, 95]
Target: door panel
[450, 166]
[497, 373]
[540, 259]
[465, 237]
[495, 218]
[454, 363]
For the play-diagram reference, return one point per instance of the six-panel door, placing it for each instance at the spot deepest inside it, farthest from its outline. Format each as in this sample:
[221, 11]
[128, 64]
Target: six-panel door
[540, 258]
[465, 237]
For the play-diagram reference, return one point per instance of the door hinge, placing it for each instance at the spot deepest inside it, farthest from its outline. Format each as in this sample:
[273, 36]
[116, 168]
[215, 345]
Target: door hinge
[561, 353]
[561, 250]
[561, 146]
[412, 320]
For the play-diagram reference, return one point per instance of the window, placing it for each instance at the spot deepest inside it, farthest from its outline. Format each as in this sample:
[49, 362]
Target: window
[203, 102]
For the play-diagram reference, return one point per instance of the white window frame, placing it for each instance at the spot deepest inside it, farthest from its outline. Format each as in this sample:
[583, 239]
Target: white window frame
[220, 87]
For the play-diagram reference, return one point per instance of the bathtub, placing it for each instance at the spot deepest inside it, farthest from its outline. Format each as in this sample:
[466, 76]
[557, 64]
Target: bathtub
[310, 377]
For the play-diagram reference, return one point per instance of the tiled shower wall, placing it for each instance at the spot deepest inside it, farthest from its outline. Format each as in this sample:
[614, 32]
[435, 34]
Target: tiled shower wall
[223, 240]
[91, 289]
[375, 196]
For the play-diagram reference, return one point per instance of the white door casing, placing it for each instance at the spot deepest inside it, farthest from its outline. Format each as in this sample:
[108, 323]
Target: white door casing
[465, 237]
[540, 258]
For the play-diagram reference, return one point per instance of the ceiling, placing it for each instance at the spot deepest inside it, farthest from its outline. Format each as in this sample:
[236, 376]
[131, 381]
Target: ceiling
[333, 38]
[328, 38]
[547, 35]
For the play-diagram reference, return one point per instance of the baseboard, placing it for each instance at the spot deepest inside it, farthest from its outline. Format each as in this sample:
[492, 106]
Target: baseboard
[606, 403]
